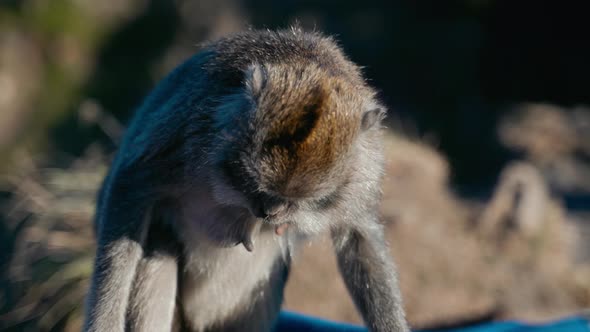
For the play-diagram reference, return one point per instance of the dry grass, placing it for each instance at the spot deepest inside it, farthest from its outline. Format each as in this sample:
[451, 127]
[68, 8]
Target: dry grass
[51, 214]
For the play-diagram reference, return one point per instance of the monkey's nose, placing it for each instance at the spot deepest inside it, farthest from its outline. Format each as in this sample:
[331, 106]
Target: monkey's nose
[274, 209]
[267, 208]
[258, 211]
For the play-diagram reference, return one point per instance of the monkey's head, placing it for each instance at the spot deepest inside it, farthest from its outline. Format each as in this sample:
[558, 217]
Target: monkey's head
[291, 141]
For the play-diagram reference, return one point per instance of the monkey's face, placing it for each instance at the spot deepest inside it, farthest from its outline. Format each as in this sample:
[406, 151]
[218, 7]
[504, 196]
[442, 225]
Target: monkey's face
[237, 185]
[237, 189]
[244, 179]
[292, 145]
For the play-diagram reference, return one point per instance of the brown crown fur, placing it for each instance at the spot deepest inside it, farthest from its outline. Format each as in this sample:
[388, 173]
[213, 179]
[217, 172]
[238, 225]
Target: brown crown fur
[309, 101]
[306, 121]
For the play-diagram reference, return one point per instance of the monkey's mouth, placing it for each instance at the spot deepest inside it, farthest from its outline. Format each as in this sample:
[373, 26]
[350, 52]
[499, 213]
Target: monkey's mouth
[254, 226]
[281, 229]
[278, 222]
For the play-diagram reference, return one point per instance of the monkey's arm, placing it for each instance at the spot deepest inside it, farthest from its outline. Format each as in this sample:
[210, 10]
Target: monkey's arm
[369, 274]
[119, 248]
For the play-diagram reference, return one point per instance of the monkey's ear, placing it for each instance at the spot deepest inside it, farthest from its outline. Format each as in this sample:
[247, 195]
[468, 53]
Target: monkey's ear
[255, 78]
[372, 117]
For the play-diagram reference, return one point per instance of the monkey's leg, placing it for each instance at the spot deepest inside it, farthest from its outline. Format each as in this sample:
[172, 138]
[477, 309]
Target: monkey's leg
[119, 250]
[369, 274]
[115, 267]
[153, 296]
[151, 307]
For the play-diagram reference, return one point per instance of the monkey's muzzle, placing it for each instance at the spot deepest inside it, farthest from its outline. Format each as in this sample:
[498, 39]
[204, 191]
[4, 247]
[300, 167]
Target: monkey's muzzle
[253, 228]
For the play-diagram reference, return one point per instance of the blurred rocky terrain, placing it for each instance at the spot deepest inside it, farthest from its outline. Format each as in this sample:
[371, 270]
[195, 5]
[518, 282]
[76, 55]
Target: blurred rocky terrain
[522, 254]
[487, 193]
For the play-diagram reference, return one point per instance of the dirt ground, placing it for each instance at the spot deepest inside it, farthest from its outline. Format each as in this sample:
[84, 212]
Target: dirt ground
[458, 261]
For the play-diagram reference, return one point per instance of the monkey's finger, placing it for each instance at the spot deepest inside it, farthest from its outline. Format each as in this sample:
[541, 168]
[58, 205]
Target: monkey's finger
[248, 245]
[251, 234]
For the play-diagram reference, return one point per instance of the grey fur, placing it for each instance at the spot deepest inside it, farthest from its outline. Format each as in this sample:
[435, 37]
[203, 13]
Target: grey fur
[256, 133]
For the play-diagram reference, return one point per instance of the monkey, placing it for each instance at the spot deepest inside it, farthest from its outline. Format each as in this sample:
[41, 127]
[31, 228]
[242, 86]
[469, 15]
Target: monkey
[256, 143]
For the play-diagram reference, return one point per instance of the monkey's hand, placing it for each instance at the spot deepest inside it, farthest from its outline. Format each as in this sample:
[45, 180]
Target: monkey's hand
[249, 229]
[370, 276]
[250, 233]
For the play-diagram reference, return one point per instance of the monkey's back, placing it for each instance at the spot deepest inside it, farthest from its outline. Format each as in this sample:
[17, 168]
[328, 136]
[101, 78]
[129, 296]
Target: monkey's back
[198, 85]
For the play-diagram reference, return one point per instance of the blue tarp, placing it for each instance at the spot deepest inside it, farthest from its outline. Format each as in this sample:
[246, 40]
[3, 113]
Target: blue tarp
[293, 322]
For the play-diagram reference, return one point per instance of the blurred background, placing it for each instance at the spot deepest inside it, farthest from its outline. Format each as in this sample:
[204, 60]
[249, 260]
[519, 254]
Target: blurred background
[487, 193]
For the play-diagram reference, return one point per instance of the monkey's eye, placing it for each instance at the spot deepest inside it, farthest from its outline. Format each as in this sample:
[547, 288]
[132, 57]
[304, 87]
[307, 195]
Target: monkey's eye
[236, 175]
[328, 201]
